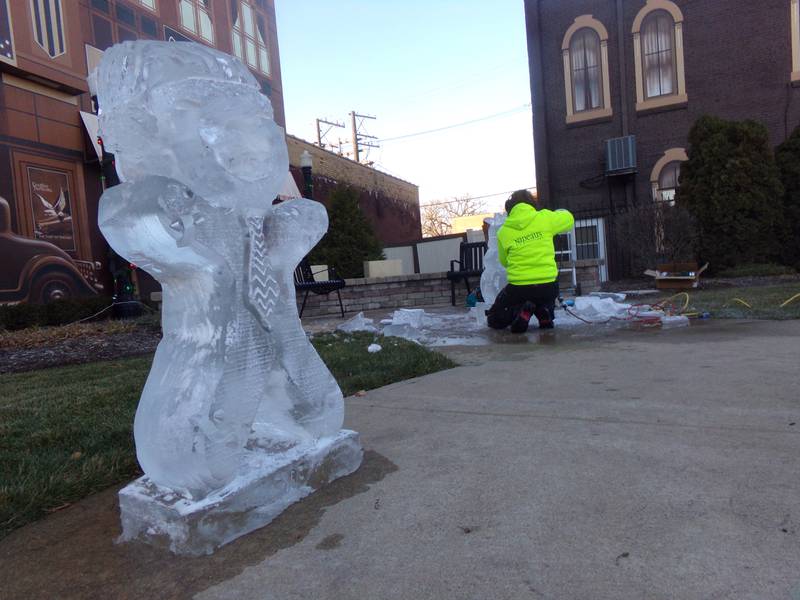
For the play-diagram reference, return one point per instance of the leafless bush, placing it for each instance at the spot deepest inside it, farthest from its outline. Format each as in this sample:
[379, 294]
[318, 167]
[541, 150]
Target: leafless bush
[437, 216]
[657, 233]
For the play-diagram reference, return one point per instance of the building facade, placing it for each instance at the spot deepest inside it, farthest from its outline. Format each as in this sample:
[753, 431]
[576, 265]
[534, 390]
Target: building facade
[617, 85]
[390, 204]
[51, 176]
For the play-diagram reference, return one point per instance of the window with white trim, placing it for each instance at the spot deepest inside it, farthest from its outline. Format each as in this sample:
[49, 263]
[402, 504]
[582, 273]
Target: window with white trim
[658, 55]
[250, 38]
[562, 247]
[149, 4]
[587, 245]
[668, 182]
[195, 17]
[586, 241]
[584, 52]
[666, 175]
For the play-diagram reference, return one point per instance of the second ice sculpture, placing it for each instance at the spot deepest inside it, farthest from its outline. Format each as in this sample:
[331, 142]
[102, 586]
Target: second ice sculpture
[494, 277]
[238, 412]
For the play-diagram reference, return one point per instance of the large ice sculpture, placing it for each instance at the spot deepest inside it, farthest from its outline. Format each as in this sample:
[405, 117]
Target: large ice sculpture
[239, 416]
[493, 278]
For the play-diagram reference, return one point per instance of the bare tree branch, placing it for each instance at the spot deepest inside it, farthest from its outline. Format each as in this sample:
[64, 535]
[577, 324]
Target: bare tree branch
[434, 221]
[462, 207]
[437, 216]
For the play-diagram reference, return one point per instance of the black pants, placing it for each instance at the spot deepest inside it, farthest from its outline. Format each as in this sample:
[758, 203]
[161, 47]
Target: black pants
[510, 300]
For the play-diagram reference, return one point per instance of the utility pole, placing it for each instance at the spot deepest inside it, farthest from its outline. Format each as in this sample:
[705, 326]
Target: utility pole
[321, 135]
[360, 140]
[355, 137]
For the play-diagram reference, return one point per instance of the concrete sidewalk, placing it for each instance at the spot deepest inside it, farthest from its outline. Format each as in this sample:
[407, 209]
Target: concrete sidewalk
[644, 466]
[638, 465]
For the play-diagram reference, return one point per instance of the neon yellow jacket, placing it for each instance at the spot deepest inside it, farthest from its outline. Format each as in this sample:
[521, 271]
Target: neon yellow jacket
[525, 243]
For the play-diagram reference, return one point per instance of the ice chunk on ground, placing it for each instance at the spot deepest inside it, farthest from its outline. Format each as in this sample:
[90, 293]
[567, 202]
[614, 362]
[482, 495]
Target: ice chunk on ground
[670, 322]
[403, 331]
[414, 317]
[478, 312]
[594, 308]
[469, 327]
[358, 323]
[615, 296]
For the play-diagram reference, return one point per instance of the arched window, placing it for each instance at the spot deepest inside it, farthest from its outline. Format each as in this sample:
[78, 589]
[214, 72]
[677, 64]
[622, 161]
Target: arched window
[658, 53]
[658, 49]
[668, 182]
[196, 18]
[794, 19]
[250, 38]
[666, 175]
[585, 55]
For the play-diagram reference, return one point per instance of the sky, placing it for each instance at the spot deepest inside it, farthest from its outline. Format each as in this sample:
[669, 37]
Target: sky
[416, 65]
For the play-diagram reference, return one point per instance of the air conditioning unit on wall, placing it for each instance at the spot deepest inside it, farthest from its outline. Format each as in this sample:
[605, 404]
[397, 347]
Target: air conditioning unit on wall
[621, 155]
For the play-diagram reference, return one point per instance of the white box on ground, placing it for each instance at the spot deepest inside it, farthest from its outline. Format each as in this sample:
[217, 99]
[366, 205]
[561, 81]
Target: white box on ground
[383, 268]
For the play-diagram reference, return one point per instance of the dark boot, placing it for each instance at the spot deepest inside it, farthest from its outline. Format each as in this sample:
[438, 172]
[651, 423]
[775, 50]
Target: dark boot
[520, 322]
[545, 318]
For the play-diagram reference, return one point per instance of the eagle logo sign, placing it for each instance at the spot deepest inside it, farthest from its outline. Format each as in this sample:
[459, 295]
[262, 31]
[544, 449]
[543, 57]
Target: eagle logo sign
[58, 211]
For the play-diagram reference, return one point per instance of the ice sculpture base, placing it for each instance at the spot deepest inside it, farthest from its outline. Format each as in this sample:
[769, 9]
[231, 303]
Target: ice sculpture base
[269, 483]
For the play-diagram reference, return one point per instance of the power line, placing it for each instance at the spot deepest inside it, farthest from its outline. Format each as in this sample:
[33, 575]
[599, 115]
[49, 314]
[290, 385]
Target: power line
[443, 202]
[387, 170]
[470, 122]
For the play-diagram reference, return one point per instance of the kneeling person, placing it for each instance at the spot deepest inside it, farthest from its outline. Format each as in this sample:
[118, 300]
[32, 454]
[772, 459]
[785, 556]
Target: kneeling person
[525, 248]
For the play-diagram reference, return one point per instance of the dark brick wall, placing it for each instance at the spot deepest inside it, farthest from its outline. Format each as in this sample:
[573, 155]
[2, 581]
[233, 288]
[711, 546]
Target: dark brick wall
[394, 220]
[738, 66]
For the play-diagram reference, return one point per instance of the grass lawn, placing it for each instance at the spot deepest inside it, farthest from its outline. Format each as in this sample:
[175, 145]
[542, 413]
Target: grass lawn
[732, 303]
[66, 432]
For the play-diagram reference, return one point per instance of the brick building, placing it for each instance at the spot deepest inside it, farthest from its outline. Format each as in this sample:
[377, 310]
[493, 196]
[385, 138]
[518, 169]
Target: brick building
[50, 172]
[617, 85]
[389, 203]
[51, 176]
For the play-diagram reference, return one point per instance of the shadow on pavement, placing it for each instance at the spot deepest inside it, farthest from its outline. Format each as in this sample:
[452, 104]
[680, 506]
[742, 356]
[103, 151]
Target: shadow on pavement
[72, 554]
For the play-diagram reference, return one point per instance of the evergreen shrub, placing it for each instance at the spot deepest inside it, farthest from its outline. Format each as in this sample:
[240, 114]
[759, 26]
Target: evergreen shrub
[732, 187]
[350, 240]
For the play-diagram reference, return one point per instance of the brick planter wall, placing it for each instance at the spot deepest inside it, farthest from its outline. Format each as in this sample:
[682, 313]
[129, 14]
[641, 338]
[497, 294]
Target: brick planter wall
[427, 289]
[406, 291]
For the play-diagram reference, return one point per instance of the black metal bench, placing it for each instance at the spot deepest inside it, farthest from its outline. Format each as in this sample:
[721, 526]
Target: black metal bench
[304, 281]
[470, 264]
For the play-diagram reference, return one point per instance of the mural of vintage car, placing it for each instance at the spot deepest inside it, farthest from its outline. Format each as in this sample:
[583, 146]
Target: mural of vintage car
[39, 272]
